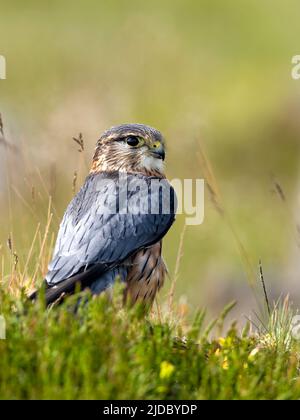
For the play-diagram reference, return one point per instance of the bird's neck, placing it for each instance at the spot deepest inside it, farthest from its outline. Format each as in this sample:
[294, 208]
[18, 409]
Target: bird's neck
[101, 165]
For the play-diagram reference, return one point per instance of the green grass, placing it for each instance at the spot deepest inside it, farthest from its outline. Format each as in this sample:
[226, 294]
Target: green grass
[107, 352]
[198, 71]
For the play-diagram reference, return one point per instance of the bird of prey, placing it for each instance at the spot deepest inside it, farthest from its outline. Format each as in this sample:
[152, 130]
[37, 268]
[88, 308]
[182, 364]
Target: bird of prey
[112, 228]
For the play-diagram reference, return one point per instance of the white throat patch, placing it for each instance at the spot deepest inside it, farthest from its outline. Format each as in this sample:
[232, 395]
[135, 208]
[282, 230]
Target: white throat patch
[151, 163]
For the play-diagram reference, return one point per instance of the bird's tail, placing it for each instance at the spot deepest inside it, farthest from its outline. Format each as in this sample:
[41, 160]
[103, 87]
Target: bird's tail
[57, 292]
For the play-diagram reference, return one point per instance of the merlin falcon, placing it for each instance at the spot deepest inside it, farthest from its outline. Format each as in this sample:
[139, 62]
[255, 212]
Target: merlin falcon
[114, 226]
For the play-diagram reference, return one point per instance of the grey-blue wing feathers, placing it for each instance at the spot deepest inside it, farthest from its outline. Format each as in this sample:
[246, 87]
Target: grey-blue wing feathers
[99, 230]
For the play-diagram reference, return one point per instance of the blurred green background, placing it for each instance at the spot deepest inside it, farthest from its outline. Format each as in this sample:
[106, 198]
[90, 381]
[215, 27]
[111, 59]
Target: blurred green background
[214, 71]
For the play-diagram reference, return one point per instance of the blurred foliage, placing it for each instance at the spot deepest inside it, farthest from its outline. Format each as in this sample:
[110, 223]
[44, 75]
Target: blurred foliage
[211, 71]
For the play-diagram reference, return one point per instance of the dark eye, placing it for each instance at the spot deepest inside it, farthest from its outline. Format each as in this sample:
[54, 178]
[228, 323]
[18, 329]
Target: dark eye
[132, 140]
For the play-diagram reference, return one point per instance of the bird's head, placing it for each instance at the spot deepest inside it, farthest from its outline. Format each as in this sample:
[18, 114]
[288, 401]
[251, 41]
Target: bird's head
[130, 148]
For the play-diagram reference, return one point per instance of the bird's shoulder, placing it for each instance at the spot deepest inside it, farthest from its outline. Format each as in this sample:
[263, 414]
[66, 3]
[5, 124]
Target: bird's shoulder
[101, 228]
[104, 190]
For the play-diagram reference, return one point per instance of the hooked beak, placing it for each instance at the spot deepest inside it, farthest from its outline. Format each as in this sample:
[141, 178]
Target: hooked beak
[157, 150]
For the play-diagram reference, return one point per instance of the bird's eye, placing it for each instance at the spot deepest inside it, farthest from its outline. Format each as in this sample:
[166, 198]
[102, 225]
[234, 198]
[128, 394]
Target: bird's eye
[132, 141]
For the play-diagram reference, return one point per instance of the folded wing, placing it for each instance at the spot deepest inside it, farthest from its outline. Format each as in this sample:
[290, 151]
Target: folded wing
[106, 223]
